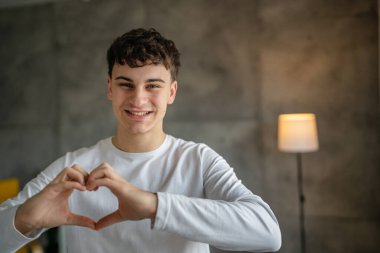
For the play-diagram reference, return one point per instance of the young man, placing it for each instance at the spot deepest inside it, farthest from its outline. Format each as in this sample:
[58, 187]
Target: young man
[141, 190]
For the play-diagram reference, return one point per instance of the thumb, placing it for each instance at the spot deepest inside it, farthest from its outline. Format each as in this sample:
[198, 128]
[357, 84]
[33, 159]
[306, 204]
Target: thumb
[80, 220]
[108, 220]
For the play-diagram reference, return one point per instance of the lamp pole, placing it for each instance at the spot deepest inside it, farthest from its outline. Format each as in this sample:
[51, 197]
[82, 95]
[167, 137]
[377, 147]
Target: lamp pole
[297, 133]
[301, 203]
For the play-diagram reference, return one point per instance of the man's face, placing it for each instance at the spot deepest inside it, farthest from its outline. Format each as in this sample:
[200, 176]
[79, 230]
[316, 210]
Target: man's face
[140, 97]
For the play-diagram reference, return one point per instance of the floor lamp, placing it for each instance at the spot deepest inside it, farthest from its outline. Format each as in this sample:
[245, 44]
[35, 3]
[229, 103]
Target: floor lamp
[297, 133]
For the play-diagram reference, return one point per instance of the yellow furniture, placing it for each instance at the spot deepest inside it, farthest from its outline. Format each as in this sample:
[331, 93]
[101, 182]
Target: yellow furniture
[9, 188]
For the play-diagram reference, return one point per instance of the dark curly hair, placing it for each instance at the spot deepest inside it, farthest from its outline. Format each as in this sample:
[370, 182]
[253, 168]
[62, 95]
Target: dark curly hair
[140, 47]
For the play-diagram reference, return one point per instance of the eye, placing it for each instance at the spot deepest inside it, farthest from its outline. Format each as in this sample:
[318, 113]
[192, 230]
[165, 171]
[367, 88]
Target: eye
[126, 85]
[153, 86]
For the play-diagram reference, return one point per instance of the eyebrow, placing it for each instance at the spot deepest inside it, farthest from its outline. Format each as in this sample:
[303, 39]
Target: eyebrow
[124, 78]
[155, 80]
[147, 81]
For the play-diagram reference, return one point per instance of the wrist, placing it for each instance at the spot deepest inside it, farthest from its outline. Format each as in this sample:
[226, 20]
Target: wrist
[22, 223]
[154, 205]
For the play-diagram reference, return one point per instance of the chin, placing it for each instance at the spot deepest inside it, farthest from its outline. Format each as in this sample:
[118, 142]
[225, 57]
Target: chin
[137, 130]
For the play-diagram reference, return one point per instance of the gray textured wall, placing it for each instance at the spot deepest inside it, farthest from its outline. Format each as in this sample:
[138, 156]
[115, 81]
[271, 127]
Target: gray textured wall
[244, 62]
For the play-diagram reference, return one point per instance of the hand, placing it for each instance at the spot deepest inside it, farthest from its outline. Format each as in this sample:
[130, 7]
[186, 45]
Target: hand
[49, 208]
[134, 203]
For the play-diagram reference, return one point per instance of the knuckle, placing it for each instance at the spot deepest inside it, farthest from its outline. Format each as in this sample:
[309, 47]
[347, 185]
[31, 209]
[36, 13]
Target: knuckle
[105, 165]
[66, 169]
[77, 167]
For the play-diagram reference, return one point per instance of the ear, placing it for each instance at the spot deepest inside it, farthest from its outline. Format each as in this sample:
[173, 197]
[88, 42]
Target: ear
[172, 92]
[109, 88]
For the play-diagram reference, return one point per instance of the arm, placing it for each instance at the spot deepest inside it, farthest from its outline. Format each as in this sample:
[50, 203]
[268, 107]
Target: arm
[11, 239]
[230, 218]
[35, 210]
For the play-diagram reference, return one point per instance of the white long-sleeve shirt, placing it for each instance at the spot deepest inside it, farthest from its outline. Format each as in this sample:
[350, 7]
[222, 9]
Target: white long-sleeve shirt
[200, 202]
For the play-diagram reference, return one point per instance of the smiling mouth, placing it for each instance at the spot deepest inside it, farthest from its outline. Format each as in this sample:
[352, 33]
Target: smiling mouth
[137, 114]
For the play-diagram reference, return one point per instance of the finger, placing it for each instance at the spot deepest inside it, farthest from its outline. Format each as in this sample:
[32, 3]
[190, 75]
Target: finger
[63, 189]
[102, 171]
[71, 185]
[109, 220]
[70, 174]
[79, 220]
[60, 175]
[74, 175]
[95, 184]
[78, 168]
[93, 178]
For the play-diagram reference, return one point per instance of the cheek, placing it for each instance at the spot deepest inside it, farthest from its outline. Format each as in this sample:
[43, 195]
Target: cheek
[161, 100]
[117, 100]
[155, 98]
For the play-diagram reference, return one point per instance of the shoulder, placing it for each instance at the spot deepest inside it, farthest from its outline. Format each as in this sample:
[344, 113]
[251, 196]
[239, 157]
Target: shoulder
[85, 152]
[191, 148]
[181, 144]
[199, 156]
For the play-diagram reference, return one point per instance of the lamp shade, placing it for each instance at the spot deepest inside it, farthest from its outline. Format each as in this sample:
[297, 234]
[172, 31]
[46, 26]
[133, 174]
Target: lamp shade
[297, 133]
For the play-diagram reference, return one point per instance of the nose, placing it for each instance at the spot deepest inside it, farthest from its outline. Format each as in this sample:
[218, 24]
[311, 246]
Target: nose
[138, 97]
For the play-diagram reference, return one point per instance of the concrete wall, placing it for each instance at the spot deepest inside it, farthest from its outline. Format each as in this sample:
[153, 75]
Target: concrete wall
[244, 62]
[322, 57]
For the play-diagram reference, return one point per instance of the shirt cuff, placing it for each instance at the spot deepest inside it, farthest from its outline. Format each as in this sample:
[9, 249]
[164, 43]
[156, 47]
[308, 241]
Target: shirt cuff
[11, 238]
[163, 210]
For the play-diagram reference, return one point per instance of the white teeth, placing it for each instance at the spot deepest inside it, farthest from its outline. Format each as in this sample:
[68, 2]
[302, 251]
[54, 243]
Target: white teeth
[139, 113]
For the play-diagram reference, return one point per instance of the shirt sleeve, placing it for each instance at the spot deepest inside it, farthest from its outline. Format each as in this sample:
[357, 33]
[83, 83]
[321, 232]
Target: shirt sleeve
[11, 239]
[230, 217]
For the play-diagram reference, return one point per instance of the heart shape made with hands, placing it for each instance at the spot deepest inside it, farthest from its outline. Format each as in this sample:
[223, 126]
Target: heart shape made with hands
[104, 197]
[96, 200]
[93, 204]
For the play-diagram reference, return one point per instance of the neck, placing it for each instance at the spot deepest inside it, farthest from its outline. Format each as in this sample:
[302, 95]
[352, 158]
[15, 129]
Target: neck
[137, 143]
